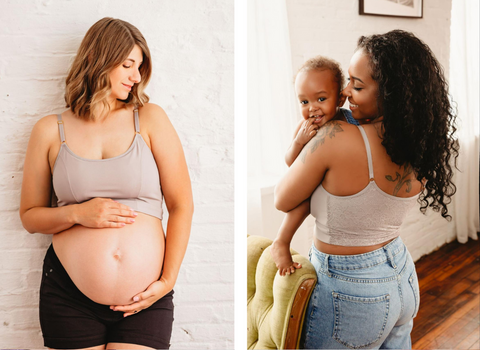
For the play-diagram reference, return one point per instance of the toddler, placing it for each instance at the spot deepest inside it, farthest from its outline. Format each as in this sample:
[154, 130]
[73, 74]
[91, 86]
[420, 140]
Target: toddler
[318, 85]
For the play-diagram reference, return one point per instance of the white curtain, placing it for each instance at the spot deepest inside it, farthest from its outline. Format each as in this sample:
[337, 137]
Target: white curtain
[271, 104]
[464, 87]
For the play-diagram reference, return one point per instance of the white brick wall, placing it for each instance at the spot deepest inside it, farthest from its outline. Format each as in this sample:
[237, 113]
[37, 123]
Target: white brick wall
[191, 42]
[332, 28]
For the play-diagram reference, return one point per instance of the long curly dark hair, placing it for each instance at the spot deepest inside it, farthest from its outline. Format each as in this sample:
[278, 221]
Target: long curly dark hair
[418, 117]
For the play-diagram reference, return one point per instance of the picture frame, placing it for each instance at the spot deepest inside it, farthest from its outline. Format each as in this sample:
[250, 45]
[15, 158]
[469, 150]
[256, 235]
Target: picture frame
[392, 8]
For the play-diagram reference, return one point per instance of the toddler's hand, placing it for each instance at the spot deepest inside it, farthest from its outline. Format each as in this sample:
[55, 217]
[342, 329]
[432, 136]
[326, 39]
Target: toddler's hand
[306, 132]
[280, 252]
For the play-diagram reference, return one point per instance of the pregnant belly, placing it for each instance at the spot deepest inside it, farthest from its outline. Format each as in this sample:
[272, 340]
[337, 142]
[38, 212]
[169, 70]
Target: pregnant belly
[111, 265]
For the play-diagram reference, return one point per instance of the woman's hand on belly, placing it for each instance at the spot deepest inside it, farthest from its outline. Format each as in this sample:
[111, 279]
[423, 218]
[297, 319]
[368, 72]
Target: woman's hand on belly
[110, 265]
[103, 213]
[154, 292]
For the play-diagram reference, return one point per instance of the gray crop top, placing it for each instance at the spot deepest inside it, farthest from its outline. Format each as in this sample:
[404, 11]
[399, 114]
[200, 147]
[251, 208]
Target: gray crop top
[366, 218]
[131, 178]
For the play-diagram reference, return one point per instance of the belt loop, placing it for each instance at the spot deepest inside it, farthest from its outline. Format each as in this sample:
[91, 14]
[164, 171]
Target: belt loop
[390, 258]
[326, 265]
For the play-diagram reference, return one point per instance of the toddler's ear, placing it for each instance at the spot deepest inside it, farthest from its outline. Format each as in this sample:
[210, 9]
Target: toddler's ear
[341, 99]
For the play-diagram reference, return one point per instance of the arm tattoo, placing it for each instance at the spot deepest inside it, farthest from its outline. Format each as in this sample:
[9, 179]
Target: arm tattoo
[329, 129]
[401, 180]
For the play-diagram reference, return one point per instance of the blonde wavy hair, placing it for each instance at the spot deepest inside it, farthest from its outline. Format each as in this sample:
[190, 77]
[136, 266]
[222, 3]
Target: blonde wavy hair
[105, 46]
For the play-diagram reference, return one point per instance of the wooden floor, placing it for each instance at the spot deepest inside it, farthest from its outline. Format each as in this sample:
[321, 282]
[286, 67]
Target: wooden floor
[449, 298]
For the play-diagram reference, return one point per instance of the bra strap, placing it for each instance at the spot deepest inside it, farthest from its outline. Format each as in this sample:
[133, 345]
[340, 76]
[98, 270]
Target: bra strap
[137, 123]
[369, 152]
[60, 127]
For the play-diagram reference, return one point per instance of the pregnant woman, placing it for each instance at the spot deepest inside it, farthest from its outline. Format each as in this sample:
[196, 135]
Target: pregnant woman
[363, 180]
[109, 274]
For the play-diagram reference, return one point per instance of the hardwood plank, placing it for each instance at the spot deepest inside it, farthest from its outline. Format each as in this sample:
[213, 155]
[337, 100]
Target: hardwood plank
[447, 267]
[449, 303]
[437, 314]
[469, 340]
[440, 327]
[475, 346]
[457, 332]
[475, 288]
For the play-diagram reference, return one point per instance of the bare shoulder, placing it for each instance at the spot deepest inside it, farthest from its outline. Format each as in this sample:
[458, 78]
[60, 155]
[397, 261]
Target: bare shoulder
[151, 115]
[156, 125]
[45, 130]
[333, 132]
[330, 140]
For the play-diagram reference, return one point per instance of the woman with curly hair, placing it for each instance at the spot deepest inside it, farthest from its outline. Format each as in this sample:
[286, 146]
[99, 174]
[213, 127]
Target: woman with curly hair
[110, 158]
[363, 180]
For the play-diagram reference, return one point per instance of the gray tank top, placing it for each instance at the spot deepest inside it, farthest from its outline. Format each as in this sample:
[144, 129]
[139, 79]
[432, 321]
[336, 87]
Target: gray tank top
[131, 178]
[366, 218]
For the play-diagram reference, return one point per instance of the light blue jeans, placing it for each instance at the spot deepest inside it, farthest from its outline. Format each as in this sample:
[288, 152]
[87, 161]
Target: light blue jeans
[365, 301]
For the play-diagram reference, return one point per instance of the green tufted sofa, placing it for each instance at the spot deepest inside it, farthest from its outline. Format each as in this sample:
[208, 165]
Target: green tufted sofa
[275, 304]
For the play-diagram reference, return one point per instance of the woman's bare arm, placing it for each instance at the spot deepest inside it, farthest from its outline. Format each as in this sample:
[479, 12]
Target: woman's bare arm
[176, 187]
[35, 211]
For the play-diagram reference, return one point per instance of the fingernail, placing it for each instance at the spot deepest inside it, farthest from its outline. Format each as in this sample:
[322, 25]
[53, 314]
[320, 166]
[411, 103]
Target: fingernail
[132, 220]
[136, 298]
[123, 224]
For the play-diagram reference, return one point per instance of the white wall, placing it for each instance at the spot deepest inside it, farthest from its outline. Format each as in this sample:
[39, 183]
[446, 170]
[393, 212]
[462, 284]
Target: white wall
[191, 42]
[332, 28]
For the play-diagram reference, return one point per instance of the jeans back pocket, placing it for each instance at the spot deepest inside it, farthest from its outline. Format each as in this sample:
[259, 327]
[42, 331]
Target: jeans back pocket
[359, 321]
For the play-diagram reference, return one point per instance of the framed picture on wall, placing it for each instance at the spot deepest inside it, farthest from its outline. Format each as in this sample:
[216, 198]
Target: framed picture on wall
[392, 8]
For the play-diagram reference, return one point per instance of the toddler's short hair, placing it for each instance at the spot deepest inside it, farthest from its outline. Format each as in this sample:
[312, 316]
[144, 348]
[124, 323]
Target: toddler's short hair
[321, 63]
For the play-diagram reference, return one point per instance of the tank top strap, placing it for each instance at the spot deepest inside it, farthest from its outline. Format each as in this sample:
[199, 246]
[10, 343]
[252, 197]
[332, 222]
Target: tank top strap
[137, 123]
[60, 127]
[369, 152]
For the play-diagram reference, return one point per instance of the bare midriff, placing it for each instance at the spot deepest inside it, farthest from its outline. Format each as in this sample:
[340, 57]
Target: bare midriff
[111, 265]
[344, 250]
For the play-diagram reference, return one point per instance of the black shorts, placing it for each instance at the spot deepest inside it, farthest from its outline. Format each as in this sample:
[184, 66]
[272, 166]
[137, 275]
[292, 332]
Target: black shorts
[70, 320]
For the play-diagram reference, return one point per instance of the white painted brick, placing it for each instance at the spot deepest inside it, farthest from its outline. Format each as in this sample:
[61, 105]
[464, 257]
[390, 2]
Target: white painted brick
[205, 332]
[206, 293]
[214, 213]
[18, 299]
[216, 312]
[20, 339]
[213, 193]
[10, 282]
[22, 318]
[210, 271]
[223, 175]
[213, 253]
[192, 48]
[16, 260]
[214, 344]
[216, 155]
[205, 233]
